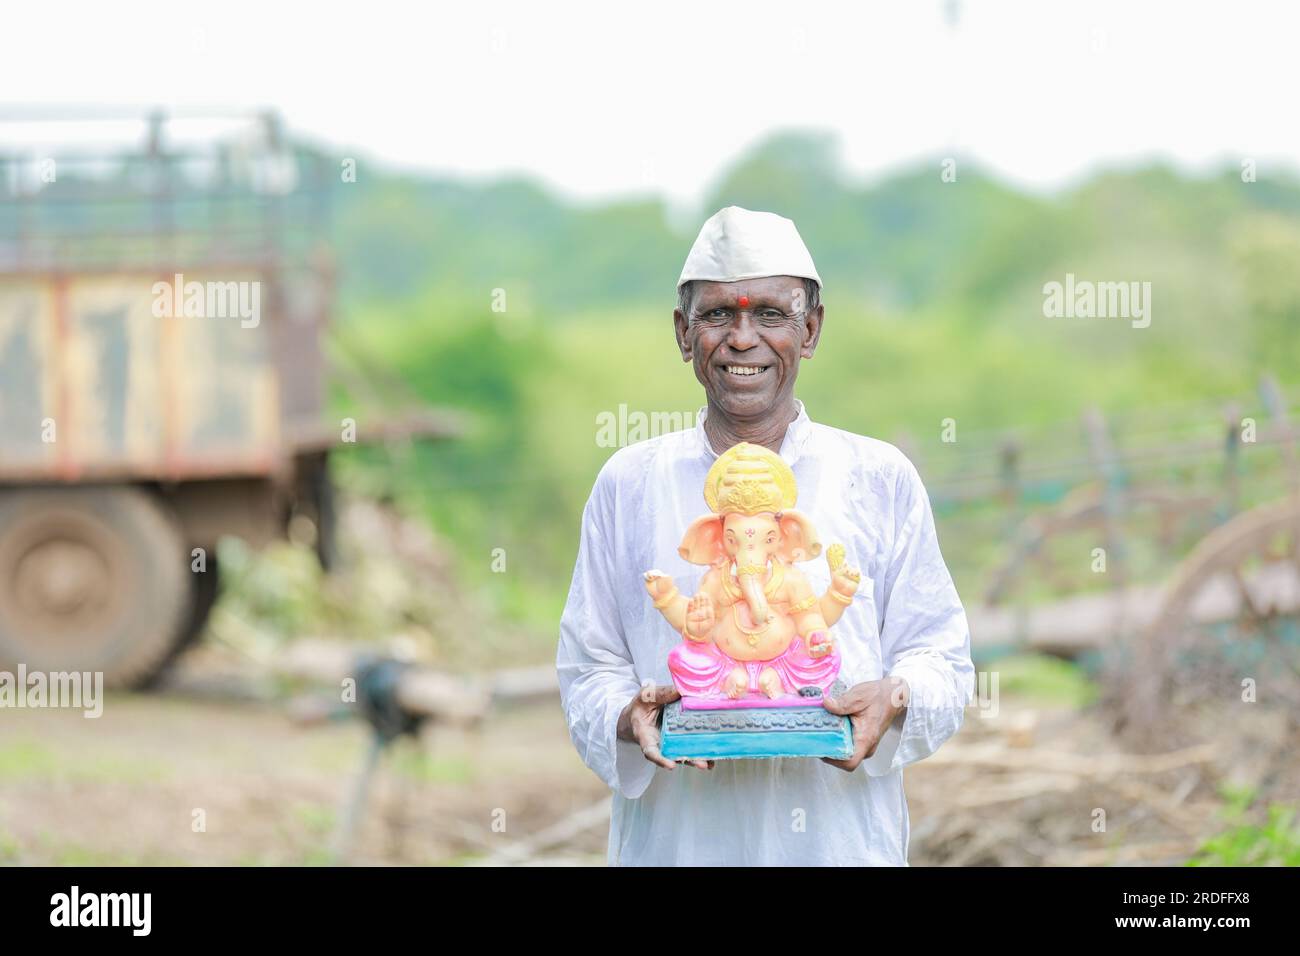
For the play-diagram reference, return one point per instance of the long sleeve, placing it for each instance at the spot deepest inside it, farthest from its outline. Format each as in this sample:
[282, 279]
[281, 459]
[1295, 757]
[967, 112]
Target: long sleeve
[925, 638]
[596, 673]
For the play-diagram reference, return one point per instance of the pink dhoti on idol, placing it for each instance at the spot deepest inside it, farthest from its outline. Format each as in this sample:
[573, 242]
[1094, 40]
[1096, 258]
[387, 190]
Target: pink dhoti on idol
[701, 669]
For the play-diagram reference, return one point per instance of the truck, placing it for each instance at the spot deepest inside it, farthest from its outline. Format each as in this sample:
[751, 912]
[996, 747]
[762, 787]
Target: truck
[162, 375]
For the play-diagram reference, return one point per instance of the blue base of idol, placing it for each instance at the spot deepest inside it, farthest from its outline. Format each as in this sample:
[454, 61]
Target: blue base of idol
[742, 733]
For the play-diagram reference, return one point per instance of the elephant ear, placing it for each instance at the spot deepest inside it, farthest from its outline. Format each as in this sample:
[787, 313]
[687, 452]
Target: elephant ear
[798, 538]
[702, 543]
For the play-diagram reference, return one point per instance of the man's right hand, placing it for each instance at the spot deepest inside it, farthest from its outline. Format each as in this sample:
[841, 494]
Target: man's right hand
[639, 723]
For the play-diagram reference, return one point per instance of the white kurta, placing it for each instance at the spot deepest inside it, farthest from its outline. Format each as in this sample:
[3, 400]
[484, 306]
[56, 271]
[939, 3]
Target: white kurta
[906, 620]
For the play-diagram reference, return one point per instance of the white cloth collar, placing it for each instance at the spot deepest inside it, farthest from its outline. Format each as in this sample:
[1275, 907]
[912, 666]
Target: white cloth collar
[796, 434]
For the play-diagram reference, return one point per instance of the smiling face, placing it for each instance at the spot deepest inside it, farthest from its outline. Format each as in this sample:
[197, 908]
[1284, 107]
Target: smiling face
[746, 339]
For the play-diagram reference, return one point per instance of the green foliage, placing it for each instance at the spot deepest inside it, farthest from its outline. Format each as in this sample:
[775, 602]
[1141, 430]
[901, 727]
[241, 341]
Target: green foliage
[272, 596]
[1247, 842]
[1049, 680]
[496, 487]
[520, 476]
[280, 588]
[934, 310]
[397, 237]
[974, 246]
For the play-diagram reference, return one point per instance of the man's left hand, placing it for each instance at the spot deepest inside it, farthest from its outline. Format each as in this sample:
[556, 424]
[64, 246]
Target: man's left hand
[871, 707]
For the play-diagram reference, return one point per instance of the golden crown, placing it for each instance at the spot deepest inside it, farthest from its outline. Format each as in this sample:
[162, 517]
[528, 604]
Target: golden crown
[749, 479]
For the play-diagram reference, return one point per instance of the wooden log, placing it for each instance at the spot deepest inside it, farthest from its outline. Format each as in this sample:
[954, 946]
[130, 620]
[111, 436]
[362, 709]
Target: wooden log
[525, 685]
[421, 691]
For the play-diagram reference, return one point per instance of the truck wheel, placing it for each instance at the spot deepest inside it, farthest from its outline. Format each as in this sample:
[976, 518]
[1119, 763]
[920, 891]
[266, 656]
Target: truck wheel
[203, 596]
[91, 579]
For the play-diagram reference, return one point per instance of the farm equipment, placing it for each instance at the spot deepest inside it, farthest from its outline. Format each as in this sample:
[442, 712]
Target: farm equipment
[1164, 546]
[162, 378]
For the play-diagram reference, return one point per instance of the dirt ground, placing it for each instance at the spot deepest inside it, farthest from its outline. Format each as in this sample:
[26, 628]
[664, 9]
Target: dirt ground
[186, 776]
[128, 787]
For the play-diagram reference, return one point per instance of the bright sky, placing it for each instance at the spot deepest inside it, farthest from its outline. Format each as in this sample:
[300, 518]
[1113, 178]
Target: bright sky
[607, 98]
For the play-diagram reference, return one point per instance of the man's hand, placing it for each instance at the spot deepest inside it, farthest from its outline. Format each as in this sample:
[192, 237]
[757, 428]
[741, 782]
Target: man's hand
[639, 722]
[871, 707]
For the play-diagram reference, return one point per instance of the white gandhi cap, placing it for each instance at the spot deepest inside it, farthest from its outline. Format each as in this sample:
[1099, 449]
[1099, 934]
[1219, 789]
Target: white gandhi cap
[740, 244]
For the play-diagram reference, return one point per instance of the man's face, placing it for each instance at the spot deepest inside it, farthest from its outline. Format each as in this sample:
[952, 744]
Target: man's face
[747, 356]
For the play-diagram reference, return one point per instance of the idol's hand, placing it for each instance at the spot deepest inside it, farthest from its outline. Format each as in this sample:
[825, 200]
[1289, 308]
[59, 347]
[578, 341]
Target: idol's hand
[819, 644]
[871, 707]
[700, 617]
[658, 584]
[639, 722]
[844, 579]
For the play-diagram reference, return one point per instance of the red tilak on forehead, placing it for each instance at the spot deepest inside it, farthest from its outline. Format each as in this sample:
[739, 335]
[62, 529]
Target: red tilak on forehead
[744, 301]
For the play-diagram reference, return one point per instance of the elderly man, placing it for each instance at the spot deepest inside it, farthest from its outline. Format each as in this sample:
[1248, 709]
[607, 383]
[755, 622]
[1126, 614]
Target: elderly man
[748, 313]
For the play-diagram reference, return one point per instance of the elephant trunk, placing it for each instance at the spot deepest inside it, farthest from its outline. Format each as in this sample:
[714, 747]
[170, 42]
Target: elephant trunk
[751, 585]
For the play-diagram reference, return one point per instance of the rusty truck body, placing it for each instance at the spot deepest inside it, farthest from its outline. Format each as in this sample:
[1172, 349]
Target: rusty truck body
[145, 410]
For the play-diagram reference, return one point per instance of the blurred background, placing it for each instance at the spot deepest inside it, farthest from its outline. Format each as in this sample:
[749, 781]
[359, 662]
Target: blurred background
[319, 537]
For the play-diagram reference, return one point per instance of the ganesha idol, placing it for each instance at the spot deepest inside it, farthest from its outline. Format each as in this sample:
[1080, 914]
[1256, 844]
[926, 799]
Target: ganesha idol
[754, 632]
